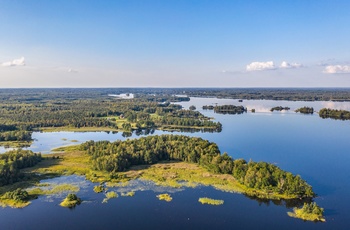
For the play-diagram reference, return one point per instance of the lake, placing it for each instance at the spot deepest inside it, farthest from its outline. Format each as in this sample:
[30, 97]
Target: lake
[317, 149]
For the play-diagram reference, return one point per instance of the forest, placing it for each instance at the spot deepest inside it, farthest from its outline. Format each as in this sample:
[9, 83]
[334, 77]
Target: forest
[12, 161]
[119, 156]
[21, 114]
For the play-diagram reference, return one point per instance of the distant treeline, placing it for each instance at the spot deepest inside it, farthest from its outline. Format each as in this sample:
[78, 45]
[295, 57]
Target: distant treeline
[12, 161]
[289, 94]
[334, 114]
[120, 155]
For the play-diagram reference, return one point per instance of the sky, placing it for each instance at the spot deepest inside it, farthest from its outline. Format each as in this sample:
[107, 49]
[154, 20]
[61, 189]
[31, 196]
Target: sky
[174, 43]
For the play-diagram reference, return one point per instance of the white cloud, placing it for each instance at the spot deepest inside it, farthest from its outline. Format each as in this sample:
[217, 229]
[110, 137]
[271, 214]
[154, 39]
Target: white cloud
[337, 69]
[258, 66]
[15, 62]
[70, 70]
[286, 65]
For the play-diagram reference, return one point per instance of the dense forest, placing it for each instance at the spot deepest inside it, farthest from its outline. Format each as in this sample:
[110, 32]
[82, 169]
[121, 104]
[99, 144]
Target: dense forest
[120, 155]
[305, 110]
[12, 161]
[334, 114]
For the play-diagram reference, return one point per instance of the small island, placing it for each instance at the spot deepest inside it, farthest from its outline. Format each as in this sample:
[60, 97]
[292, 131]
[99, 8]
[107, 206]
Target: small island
[305, 110]
[310, 212]
[226, 109]
[166, 197]
[70, 201]
[279, 108]
[206, 200]
[334, 114]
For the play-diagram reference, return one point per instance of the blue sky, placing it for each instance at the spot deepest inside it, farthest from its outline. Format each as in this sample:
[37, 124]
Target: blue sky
[174, 43]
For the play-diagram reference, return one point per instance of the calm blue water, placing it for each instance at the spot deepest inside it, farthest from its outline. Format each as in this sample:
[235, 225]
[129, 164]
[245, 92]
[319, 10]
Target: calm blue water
[317, 149]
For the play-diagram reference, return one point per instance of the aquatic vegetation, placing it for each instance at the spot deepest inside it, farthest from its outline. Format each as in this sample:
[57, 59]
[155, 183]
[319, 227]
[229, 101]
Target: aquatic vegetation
[71, 201]
[165, 196]
[206, 200]
[55, 189]
[110, 195]
[310, 212]
[132, 193]
[98, 188]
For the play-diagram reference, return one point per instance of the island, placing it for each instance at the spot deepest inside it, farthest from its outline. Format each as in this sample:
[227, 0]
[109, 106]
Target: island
[206, 200]
[305, 110]
[226, 109]
[334, 114]
[309, 211]
[279, 108]
[70, 201]
[167, 160]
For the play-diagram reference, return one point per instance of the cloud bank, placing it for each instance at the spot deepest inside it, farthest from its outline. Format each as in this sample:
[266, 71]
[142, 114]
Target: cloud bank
[269, 65]
[337, 69]
[258, 66]
[15, 62]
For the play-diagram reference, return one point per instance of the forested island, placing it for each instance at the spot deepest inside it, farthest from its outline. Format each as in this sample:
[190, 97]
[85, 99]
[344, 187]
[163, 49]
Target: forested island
[334, 114]
[112, 161]
[226, 109]
[305, 110]
[279, 108]
[309, 211]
